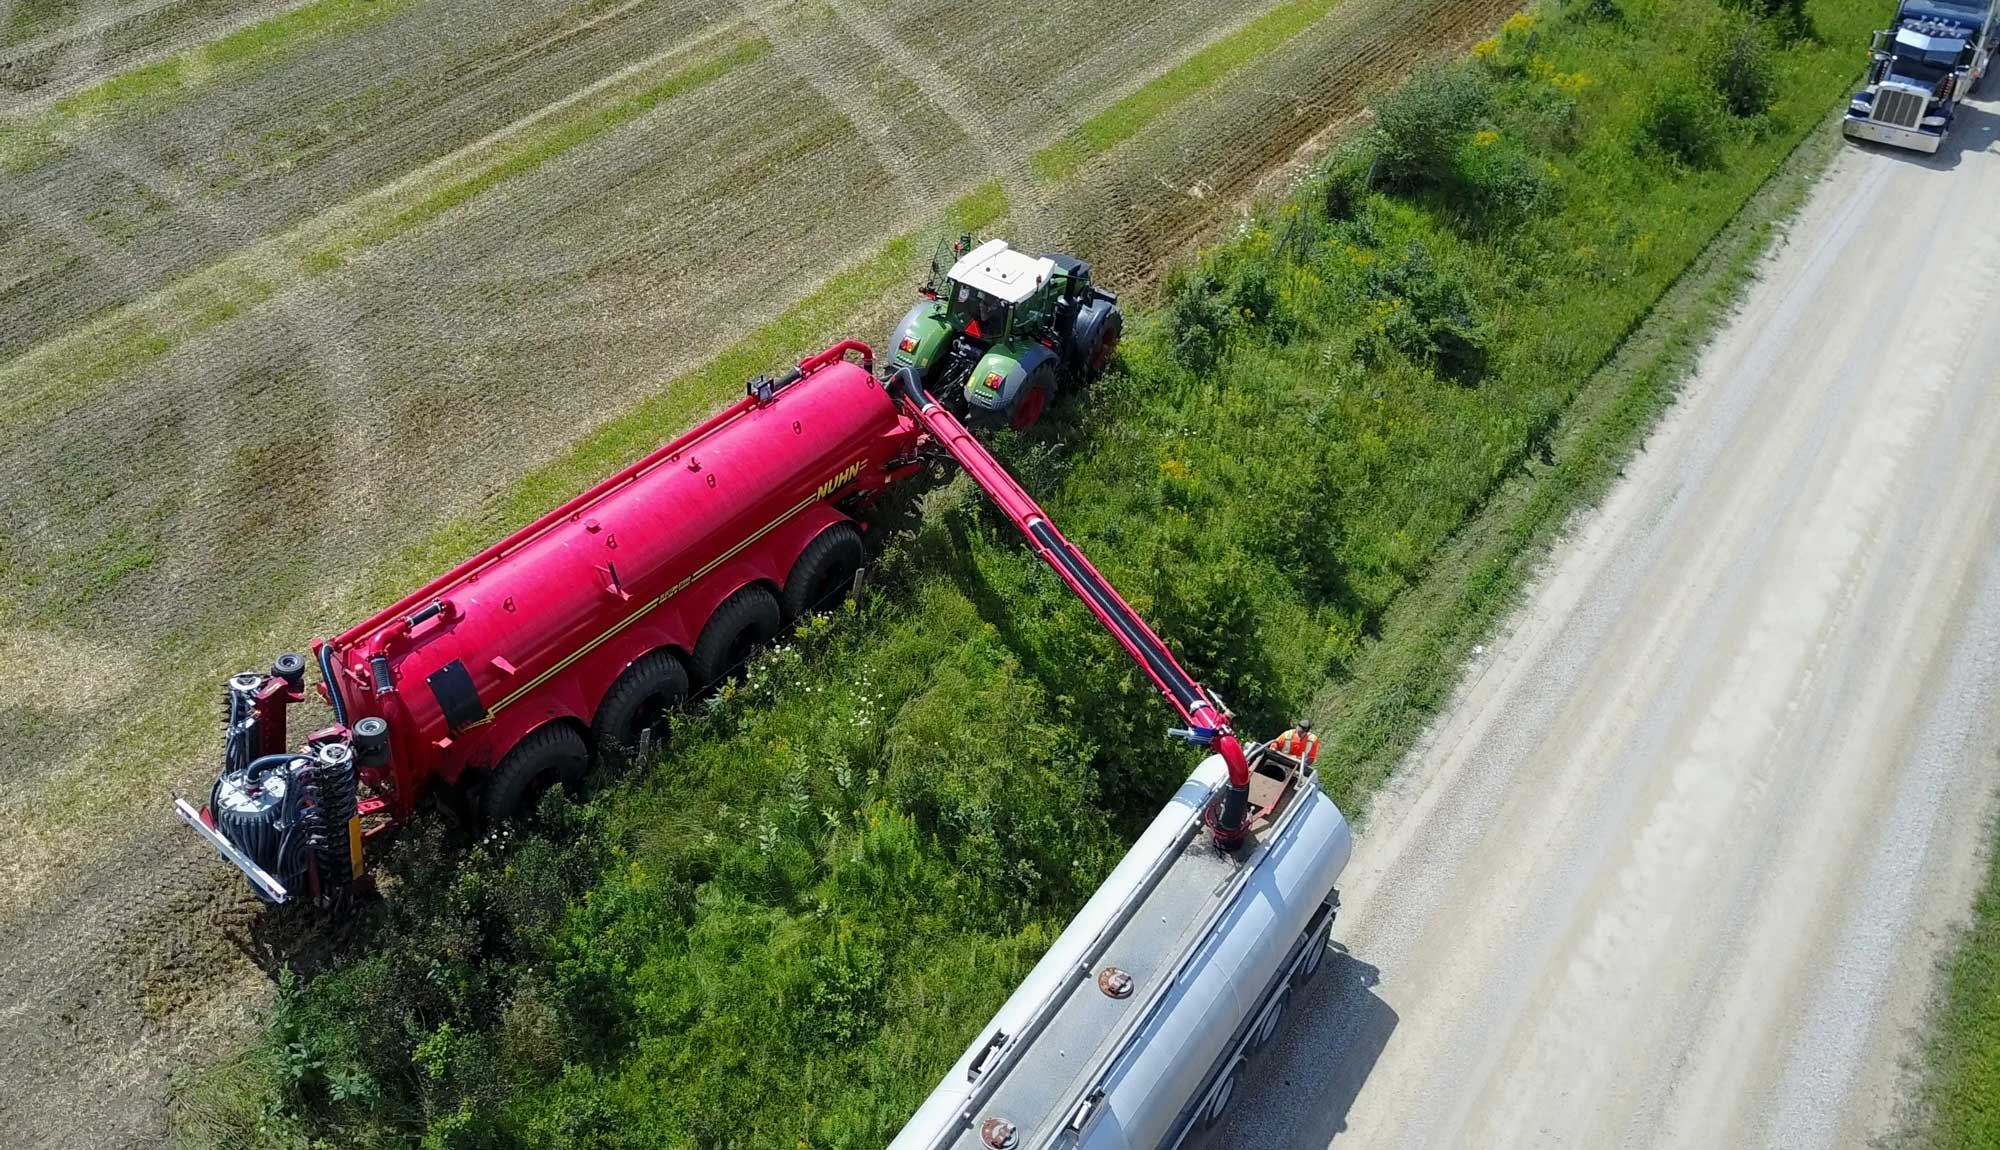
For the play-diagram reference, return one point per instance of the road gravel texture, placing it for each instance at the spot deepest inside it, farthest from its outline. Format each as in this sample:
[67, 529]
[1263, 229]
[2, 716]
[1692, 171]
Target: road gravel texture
[1676, 866]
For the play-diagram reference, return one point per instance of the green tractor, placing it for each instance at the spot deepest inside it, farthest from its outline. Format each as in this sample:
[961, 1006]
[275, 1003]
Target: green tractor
[1002, 333]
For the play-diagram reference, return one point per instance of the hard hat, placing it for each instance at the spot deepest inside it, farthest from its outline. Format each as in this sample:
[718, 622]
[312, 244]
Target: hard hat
[1305, 726]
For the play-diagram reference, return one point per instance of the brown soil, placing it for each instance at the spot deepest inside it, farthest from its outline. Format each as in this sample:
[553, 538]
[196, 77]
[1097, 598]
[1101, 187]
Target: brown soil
[227, 498]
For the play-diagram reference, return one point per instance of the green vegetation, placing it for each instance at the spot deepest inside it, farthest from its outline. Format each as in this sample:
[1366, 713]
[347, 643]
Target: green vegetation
[1319, 472]
[534, 149]
[1959, 1110]
[1126, 118]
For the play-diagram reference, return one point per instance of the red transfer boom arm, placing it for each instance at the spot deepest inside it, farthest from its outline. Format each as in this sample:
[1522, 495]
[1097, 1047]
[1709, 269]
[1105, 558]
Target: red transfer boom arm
[1207, 723]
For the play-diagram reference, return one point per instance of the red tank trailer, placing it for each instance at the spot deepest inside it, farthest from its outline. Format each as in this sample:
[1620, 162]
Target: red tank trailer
[582, 630]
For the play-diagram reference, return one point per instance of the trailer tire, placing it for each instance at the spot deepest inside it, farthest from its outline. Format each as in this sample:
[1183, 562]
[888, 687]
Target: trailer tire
[553, 755]
[1272, 1018]
[1215, 1107]
[1315, 953]
[823, 571]
[745, 621]
[639, 704]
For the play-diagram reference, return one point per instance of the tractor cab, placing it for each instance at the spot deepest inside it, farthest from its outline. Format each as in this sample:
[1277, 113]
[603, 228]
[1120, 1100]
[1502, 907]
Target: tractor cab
[998, 332]
[994, 290]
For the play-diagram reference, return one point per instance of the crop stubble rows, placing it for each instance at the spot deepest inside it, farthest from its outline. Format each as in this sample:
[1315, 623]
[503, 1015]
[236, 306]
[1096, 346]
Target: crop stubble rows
[271, 444]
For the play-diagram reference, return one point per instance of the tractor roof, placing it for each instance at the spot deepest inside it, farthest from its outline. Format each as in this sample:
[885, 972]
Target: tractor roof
[1002, 272]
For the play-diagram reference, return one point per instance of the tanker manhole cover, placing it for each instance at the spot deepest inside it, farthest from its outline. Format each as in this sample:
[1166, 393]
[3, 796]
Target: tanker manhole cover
[998, 1133]
[1114, 982]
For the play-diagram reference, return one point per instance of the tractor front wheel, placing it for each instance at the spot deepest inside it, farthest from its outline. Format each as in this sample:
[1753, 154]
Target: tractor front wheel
[1035, 396]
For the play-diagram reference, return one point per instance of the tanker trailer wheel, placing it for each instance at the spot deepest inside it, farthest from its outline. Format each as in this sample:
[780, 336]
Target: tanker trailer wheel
[1216, 1107]
[824, 571]
[550, 756]
[1035, 396]
[637, 710]
[1273, 1018]
[1315, 955]
[746, 621]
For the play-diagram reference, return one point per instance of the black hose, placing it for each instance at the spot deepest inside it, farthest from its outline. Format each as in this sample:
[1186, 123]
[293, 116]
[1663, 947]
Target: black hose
[332, 687]
[263, 763]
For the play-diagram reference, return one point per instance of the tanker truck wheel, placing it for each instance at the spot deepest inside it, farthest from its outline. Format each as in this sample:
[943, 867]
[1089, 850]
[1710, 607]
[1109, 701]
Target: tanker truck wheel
[746, 621]
[1315, 955]
[1216, 1107]
[1273, 1018]
[824, 571]
[550, 756]
[637, 709]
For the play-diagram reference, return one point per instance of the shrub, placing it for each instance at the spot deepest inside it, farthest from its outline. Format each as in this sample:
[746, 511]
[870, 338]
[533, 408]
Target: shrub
[1348, 181]
[1741, 68]
[1503, 181]
[1199, 325]
[1422, 127]
[1788, 17]
[1426, 315]
[1683, 122]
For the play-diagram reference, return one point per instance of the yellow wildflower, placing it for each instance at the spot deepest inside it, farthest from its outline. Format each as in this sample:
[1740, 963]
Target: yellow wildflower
[1486, 49]
[1486, 138]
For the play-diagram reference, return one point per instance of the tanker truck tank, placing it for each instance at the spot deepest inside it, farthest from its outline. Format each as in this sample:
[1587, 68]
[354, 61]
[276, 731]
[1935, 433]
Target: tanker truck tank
[1131, 1032]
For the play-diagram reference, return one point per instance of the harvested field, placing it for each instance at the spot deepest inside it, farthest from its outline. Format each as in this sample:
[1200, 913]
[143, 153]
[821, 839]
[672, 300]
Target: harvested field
[327, 315]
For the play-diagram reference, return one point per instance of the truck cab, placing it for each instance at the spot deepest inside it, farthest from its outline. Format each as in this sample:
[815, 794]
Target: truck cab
[1920, 70]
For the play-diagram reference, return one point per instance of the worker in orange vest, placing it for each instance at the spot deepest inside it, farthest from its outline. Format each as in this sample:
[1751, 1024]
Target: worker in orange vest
[1299, 742]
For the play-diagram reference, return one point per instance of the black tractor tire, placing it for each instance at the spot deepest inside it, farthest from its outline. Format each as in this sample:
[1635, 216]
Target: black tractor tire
[1093, 337]
[1036, 394]
[824, 571]
[744, 622]
[639, 704]
[550, 756]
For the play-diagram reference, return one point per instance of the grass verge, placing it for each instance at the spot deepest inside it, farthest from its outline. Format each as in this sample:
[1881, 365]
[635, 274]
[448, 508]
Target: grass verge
[1324, 467]
[1129, 116]
[1959, 1104]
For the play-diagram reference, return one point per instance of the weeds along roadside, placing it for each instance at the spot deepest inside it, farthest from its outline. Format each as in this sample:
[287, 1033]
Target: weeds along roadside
[1955, 1108]
[784, 934]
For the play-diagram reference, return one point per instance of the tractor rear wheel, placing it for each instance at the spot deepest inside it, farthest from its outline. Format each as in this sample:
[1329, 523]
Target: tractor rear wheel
[550, 756]
[1035, 396]
[746, 621]
[637, 709]
[1107, 342]
[823, 571]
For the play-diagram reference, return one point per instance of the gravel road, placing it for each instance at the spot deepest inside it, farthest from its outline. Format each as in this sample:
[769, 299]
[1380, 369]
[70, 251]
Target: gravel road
[1675, 867]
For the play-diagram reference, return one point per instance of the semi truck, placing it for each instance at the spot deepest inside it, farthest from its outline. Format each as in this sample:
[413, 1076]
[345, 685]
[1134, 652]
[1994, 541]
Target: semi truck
[580, 631]
[1920, 70]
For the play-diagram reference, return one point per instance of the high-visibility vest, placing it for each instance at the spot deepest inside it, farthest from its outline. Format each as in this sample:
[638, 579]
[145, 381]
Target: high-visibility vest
[1304, 748]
